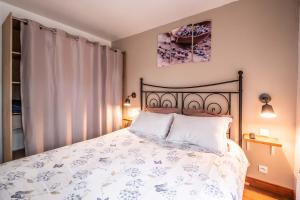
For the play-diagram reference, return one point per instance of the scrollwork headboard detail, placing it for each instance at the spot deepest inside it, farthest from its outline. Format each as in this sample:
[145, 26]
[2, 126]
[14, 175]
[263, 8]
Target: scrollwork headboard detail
[195, 97]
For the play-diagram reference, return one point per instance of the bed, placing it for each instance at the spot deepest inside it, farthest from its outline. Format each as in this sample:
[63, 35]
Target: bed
[128, 166]
[122, 165]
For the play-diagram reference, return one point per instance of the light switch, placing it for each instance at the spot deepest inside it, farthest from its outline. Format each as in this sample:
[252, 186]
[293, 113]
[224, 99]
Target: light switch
[264, 132]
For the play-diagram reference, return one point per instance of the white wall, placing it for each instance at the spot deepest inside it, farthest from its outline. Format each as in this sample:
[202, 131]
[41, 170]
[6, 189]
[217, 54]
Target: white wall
[5, 9]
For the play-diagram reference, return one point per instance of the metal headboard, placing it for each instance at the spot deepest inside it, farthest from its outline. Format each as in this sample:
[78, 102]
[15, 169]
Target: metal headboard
[194, 97]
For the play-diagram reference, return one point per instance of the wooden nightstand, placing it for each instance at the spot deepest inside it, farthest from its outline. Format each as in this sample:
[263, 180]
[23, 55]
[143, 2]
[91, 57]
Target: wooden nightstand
[272, 142]
[126, 122]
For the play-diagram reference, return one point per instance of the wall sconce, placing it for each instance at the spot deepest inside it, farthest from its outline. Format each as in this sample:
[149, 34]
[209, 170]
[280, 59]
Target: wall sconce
[266, 110]
[127, 100]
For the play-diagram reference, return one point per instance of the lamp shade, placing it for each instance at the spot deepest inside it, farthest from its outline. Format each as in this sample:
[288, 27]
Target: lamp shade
[127, 102]
[267, 111]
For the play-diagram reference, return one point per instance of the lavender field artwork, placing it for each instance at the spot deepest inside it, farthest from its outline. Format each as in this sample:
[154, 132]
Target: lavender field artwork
[190, 43]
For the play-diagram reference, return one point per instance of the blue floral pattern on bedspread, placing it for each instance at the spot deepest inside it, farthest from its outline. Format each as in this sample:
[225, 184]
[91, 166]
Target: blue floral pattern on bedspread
[124, 166]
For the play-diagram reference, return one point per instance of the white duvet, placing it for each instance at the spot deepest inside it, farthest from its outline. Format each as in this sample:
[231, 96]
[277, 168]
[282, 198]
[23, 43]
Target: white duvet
[125, 166]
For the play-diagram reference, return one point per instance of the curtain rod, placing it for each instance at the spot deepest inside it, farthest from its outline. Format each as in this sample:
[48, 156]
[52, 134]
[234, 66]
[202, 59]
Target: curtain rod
[25, 21]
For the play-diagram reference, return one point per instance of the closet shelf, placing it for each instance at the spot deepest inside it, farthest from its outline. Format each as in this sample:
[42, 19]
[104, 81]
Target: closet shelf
[17, 113]
[16, 83]
[16, 53]
[17, 131]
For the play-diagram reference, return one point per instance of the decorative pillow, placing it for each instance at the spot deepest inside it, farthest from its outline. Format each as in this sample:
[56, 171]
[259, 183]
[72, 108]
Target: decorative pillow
[152, 124]
[206, 132]
[163, 110]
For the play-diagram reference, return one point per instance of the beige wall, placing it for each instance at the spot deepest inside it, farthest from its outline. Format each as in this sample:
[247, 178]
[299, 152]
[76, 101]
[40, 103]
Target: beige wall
[257, 36]
[297, 141]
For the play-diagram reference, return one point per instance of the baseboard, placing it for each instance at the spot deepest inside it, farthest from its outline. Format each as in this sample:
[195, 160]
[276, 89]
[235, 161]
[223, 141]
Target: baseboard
[269, 187]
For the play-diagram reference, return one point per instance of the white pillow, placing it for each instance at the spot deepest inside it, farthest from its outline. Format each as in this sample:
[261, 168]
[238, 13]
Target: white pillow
[206, 132]
[152, 124]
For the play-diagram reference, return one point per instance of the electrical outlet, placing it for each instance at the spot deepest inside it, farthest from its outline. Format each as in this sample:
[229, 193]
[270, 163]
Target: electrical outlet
[263, 169]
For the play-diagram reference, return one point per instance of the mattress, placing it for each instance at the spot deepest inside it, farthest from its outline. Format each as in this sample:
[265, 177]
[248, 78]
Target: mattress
[124, 166]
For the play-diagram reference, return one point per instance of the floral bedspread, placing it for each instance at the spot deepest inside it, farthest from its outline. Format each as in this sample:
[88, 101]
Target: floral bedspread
[124, 166]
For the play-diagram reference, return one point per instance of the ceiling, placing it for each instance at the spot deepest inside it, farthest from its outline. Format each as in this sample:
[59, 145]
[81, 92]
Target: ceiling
[115, 19]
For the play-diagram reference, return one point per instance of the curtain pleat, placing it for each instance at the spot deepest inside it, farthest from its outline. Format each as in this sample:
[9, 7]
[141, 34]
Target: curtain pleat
[71, 89]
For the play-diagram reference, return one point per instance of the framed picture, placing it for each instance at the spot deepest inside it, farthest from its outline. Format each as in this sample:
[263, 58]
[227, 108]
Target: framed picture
[202, 42]
[190, 43]
[181, 44]
[164, 49]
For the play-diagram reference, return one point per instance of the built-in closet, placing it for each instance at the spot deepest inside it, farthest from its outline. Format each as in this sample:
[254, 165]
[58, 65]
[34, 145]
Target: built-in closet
[13, 138]
[50, 116]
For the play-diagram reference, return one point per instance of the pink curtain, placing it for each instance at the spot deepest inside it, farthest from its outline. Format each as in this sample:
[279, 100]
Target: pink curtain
[71, 89]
